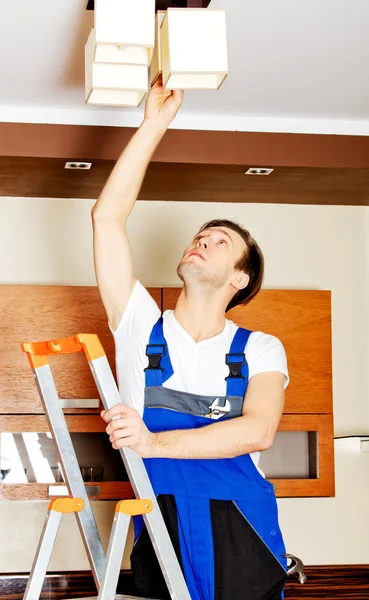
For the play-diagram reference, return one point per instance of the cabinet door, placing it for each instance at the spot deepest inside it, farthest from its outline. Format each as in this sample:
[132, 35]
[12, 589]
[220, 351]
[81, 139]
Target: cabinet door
[37, 313]
[301, 319]
[310, 453]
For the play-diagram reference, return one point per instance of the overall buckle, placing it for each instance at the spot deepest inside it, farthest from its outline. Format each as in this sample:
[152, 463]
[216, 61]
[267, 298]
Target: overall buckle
[154, 356]
[235, 362]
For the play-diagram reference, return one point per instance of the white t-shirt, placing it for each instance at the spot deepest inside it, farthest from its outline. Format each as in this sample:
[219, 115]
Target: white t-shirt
[199, 367]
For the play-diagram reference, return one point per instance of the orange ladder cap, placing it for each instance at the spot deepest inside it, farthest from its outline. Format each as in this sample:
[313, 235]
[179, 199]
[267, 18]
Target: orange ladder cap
[67, 505]
[134, 507]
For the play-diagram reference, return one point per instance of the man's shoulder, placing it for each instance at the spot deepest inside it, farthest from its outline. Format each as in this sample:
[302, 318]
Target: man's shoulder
[258, 340]
[140, 315]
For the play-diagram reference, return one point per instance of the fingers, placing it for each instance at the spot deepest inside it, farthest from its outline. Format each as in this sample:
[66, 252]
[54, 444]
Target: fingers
[104, 416]
[125, 426]
[125, 442]
[158, 83]
[117, 424]
[123, 433]
[178, 95]
[118, 409]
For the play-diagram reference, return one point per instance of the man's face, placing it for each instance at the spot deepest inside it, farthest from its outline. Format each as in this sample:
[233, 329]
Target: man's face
[211, 257]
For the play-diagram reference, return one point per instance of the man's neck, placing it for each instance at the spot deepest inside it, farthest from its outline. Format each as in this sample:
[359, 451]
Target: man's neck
[201, 315]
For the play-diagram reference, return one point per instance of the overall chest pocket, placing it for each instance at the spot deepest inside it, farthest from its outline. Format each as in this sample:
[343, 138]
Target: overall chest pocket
[208, 407]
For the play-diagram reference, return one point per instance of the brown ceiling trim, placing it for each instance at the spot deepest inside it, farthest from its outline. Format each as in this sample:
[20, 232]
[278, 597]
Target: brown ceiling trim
[182, 182]
[189, 146]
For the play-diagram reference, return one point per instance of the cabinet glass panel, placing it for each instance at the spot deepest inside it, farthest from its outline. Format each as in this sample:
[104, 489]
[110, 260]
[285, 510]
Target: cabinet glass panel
[294, 455]
[31, 457]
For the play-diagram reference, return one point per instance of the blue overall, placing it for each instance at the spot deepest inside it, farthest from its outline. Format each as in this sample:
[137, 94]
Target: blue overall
[213, 497]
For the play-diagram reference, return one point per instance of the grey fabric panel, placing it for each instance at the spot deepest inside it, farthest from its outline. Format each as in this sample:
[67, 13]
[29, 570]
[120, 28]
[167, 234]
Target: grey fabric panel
[193, 404]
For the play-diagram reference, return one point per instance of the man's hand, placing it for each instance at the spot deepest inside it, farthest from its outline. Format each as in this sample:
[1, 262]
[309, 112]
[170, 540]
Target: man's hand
[129, 431]
[162, 105]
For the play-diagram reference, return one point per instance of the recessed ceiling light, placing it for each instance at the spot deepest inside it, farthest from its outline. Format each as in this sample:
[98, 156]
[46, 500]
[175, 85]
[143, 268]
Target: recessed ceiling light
[258, 171]
[83, 166]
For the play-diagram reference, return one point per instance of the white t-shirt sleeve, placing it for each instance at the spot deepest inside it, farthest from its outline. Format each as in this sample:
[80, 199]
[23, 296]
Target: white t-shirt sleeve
[140, 315]
[265, 353]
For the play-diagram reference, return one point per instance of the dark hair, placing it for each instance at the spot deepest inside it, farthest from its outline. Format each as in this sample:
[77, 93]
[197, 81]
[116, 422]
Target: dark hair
[251, 262]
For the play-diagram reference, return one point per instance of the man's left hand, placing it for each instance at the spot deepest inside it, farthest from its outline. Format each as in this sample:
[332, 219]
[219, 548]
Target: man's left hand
[129, 430]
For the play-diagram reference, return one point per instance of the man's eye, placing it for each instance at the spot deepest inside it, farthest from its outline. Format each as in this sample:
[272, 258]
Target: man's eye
[222, 242]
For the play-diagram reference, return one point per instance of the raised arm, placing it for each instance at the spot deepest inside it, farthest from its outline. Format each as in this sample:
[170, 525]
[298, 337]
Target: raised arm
[112, 252]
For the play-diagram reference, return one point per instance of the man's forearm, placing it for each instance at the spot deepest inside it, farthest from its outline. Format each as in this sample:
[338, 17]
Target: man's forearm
[218, 440]
[121, 190]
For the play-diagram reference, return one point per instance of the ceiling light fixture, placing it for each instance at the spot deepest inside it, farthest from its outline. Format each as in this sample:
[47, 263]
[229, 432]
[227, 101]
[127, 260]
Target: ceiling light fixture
[258, 171]
[118, 52]
[193, 49]
[187, 46]
[78, 165]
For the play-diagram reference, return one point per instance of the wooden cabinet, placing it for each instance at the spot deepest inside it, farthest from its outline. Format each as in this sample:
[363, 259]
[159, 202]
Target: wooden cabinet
[301, 319]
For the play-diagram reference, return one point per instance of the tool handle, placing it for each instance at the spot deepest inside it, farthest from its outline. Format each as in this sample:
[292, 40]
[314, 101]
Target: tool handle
[38, 352]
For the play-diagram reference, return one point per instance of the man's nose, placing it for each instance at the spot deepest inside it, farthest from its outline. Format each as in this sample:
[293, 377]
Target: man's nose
[202, 243]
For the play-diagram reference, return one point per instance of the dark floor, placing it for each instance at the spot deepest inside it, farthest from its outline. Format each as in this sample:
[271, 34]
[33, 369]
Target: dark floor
[349, 582]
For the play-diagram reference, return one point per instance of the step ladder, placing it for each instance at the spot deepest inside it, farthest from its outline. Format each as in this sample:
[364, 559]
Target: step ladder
[105, 570]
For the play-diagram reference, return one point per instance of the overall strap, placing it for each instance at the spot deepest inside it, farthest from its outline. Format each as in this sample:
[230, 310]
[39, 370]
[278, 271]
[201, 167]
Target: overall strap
[237, 379]
[160, 368]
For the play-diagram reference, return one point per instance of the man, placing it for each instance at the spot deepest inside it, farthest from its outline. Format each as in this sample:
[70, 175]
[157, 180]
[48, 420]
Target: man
[202, 397]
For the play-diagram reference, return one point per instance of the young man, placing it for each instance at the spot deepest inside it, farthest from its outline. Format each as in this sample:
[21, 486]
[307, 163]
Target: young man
[202, 397]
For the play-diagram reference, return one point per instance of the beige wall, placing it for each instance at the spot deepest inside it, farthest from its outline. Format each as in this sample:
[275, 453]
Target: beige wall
[310, 247]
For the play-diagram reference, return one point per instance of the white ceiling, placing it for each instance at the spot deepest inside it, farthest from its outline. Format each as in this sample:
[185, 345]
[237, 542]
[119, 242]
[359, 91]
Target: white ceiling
[294, 65]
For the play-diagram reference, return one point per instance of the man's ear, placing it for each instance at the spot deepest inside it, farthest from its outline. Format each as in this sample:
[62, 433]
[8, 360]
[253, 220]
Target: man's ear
[240, 280]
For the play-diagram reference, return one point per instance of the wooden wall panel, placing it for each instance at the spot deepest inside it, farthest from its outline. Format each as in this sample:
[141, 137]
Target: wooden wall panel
[37, 313]
[301, 319]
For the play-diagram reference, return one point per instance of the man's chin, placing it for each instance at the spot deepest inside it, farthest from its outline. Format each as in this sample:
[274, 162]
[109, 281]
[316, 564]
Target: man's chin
[189, 270]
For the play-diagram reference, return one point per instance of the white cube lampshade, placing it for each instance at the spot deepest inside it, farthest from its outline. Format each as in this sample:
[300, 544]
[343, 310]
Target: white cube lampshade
[115, 98]
[155, 68]
[120, 55]
[193, 46]
[113, 84]
[125, 31]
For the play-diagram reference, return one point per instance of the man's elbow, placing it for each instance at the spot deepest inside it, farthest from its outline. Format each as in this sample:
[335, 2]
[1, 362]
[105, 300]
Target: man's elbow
[265, 442]
[258, 443]
[265, 438]
[107, 219]
[100, 214]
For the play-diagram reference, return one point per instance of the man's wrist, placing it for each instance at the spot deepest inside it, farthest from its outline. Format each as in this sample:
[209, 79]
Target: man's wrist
[155, 126]
[157, 446]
